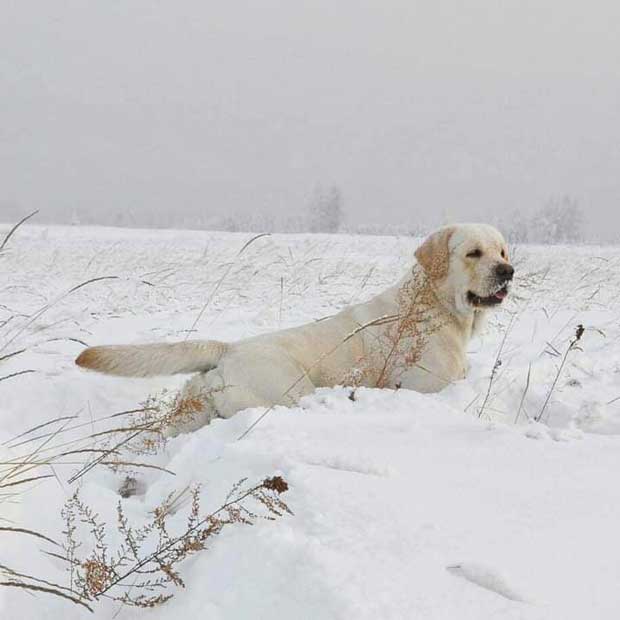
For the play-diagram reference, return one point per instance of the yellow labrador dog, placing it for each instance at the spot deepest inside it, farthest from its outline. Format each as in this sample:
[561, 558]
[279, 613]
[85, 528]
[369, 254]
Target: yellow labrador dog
[414, 335]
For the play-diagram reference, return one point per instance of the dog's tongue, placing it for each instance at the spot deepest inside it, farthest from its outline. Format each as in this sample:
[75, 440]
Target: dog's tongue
[501, 293]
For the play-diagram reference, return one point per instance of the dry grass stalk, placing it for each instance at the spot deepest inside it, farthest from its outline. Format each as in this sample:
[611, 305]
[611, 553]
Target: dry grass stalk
[145, 432]
[525, 391]
[14, 228]
[496, 366]
[573, 344]
[221, 280]
[103, 571]
[39, 313]
[400, 346]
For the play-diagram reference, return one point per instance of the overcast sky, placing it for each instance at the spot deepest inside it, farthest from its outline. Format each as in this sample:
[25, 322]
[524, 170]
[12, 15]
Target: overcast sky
[413, 108]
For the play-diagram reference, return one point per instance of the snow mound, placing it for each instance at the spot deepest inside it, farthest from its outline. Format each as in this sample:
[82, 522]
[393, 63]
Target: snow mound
[478, 502]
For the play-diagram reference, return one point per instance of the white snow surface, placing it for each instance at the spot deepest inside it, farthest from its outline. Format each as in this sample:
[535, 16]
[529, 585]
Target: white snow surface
[405, 505]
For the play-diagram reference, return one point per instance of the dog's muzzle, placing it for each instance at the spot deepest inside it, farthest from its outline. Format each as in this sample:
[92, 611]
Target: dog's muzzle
[504, 273]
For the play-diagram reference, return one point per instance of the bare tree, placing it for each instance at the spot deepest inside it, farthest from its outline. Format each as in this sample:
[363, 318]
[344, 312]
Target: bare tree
[325, 210]
[560, 221]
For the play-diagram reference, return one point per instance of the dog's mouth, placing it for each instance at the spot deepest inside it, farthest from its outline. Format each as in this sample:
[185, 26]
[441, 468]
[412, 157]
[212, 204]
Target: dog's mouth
[494, 299]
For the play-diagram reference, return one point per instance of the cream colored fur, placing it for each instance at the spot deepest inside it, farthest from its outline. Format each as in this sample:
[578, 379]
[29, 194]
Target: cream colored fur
[413, 335]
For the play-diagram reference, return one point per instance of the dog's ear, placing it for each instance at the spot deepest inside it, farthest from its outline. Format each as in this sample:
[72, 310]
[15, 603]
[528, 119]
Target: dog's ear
[434, 254]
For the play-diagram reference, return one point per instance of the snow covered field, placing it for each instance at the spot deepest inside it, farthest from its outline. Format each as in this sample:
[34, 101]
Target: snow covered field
[454, 506]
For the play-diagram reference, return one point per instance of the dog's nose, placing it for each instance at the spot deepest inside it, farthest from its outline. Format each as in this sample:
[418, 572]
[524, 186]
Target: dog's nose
[504, 271]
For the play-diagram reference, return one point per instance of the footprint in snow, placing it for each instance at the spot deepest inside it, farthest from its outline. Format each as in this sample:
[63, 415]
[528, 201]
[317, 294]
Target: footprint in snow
[487, 578]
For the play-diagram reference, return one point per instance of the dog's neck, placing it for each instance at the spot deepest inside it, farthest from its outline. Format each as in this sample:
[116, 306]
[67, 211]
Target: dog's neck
[417, 285]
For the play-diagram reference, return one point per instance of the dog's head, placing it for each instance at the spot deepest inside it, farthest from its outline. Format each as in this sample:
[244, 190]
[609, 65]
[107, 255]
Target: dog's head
[468, 265]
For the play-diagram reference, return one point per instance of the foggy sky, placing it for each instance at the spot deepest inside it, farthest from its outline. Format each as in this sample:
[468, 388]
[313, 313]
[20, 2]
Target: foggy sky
[415, 109]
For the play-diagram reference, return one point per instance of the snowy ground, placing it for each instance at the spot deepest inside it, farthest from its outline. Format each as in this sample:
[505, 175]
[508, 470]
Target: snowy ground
[405, 505]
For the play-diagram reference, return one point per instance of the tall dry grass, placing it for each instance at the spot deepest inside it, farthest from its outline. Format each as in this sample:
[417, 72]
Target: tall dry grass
[143, 568]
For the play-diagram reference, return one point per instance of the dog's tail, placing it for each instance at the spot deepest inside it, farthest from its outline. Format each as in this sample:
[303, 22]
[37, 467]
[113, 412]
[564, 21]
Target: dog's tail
[147, 360]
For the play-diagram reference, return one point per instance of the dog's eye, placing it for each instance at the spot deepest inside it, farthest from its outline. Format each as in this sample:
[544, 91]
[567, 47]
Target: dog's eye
[477, 253]
[503, 253]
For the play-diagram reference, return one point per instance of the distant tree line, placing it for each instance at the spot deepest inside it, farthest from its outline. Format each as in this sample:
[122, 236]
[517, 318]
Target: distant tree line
[560, 220]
